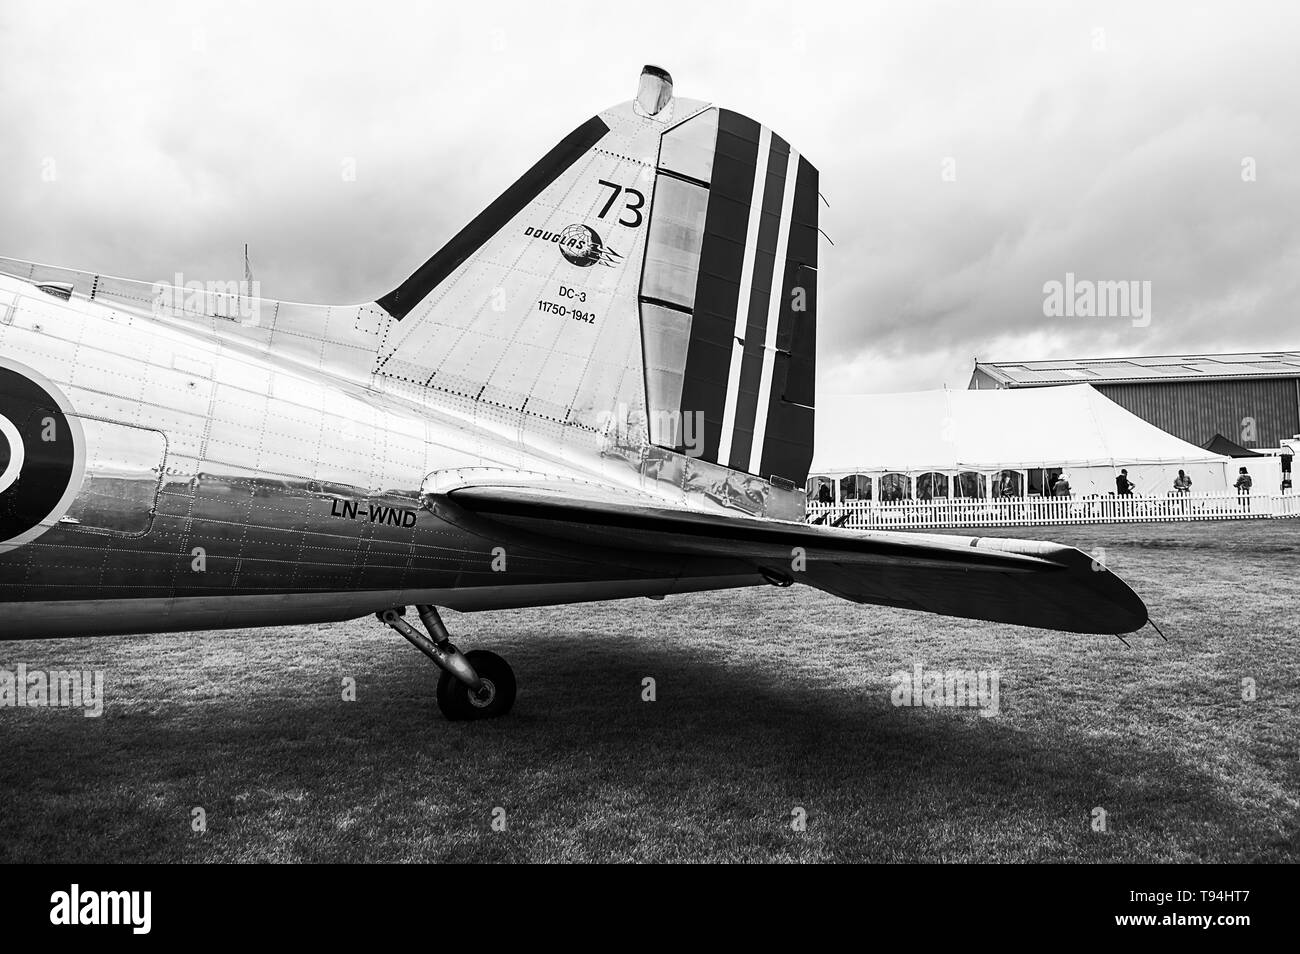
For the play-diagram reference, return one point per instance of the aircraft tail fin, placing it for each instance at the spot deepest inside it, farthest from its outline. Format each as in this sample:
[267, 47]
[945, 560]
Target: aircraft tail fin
[651, 280]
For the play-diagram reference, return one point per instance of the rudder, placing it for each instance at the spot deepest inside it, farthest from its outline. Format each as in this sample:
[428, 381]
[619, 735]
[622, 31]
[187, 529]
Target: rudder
[728, 298]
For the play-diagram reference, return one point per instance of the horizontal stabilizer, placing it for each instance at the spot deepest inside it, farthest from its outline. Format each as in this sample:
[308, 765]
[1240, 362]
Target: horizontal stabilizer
[1026, 582]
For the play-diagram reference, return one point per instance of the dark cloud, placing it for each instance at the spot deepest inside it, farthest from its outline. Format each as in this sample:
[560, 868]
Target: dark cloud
[1104, 140]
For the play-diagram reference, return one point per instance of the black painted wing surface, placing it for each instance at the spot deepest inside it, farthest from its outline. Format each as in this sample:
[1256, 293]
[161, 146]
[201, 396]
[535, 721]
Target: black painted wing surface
[1027, 582]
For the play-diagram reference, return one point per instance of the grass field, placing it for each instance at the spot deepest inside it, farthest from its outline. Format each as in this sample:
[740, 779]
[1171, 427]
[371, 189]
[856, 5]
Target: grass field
[767, 700]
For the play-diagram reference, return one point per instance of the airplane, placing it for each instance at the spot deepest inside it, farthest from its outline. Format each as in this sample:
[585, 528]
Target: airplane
[600, 388]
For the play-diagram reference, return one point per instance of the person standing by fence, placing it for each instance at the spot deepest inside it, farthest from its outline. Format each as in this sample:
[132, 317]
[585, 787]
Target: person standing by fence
[1123, 491]
[1243, 486]
[1182, 489]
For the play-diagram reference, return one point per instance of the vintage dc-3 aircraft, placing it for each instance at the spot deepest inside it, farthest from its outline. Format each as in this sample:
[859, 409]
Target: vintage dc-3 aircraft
[600, 388]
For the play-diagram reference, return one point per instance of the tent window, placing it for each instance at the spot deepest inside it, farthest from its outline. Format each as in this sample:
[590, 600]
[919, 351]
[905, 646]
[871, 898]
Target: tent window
[855, 487]
[932, 485]
[971, 484]
[895, 487]
[821, 490]
[1009, 483]
[1041, 480]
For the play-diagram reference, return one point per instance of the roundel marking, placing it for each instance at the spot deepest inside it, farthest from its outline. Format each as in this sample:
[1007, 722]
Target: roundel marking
[13, 447]
[42, 455]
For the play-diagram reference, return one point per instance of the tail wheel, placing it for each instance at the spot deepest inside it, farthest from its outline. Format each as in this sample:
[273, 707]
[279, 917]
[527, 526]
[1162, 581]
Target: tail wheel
[459, 703]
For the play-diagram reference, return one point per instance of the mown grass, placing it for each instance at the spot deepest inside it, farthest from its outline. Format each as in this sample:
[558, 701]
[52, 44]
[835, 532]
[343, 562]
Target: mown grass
[767, 700]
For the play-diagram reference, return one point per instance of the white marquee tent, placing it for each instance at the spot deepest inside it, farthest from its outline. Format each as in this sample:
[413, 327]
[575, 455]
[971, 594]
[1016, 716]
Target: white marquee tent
[979, 441]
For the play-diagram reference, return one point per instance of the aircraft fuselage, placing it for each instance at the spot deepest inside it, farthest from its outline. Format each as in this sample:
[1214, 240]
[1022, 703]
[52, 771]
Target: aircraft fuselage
[215, 486]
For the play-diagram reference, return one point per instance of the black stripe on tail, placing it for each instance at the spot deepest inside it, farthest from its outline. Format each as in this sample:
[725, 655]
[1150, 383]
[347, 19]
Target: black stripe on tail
[491, 220]
[748, 379]
[717, 290]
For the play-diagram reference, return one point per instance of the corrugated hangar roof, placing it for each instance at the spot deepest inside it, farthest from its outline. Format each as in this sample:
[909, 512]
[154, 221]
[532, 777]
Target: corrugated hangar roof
[1187, 367]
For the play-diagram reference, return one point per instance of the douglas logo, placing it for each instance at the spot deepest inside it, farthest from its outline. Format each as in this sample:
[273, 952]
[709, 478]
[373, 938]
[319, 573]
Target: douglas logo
[103, 907]
[579, 244]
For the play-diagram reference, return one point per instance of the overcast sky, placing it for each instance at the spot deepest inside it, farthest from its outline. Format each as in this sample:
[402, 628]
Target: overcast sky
[970, 152]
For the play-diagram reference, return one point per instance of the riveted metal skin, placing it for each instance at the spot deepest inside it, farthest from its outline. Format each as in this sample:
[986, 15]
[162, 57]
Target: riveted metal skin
[178, 458]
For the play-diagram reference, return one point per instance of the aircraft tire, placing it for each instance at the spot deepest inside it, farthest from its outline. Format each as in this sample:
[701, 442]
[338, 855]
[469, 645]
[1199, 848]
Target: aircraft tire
[458, 704]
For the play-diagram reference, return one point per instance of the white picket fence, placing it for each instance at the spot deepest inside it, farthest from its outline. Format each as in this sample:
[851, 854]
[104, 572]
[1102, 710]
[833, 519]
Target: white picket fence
[1030, 511]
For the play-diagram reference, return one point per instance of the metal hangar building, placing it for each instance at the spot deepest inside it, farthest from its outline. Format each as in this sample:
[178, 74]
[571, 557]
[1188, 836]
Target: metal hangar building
[1253, 398]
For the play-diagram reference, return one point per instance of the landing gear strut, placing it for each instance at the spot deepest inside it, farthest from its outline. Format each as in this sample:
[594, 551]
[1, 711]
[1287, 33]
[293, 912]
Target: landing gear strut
[474, 685]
